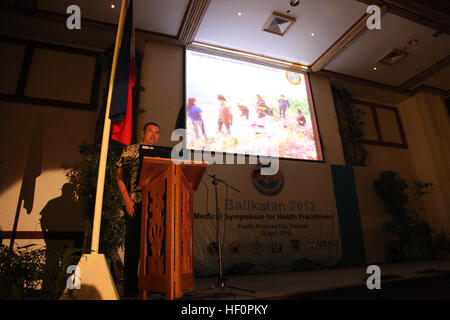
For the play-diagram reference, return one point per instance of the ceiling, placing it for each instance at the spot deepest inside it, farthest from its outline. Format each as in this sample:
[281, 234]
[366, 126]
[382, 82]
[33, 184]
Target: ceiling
[223, 26]
[159, 16]
[360, 58]
[238, 24]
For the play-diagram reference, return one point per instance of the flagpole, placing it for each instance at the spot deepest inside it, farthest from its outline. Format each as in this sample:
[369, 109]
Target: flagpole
[105, 139]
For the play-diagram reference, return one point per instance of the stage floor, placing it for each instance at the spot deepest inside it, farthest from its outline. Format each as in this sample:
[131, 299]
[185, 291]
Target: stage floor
[407, 280]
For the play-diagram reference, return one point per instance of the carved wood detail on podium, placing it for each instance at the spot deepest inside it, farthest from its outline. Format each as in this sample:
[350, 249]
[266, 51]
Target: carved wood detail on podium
[166, 254]
[186, 231]
[156, 210]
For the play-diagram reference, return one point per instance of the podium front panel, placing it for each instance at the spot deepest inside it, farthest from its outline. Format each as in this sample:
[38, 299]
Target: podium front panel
[167, 250]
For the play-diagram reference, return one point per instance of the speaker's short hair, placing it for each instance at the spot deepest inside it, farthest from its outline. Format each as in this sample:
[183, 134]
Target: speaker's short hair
[151, 124]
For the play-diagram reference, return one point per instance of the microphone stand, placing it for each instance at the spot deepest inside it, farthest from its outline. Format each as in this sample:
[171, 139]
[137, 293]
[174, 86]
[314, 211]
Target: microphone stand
[221, 285]
[221, 281]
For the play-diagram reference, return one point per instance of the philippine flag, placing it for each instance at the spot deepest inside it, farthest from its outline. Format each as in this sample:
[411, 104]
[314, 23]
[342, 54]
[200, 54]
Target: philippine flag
[122, 96]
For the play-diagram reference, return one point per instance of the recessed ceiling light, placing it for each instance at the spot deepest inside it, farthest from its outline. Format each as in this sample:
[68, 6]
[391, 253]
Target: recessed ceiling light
[374, 68]
[239, 13]
[294, 3]
[393, 57]
[312, 34]
[112, 6]
[278, 23]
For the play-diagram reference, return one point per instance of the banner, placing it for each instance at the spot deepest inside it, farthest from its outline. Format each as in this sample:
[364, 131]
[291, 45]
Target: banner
[284, 223]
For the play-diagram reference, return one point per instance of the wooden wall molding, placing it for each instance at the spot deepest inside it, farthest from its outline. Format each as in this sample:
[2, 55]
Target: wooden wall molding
[76, 236]
[380, 142]
[425, 73]
[336, 75]
[40, 15]
[19, 95]
[332, 74]
[441, 92]
[192, 18]
[59, 235]
[356, 30]
[110, 27]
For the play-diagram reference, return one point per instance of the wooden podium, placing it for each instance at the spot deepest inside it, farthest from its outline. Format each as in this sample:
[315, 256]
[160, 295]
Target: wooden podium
[166, 262]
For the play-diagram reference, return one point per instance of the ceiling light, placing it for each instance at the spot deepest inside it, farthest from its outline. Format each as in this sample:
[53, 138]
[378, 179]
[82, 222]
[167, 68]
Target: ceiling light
[112, 6]
[393, 57]
[278, 23]
[239, 13]
[312, 34]
[294, 3]
[374, 68]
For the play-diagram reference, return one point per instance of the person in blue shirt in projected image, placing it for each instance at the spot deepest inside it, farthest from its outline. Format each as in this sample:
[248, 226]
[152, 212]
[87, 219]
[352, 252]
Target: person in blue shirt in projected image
[195, 114]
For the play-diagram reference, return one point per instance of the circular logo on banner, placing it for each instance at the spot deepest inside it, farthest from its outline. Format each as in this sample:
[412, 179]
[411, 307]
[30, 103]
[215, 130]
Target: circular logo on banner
[268, 185]
[256, 247]
[293, 78]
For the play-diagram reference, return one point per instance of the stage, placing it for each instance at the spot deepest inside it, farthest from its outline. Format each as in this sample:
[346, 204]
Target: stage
[407, 280]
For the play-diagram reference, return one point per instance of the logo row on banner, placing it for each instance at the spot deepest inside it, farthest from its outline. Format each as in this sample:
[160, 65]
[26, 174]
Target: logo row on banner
[258, 247]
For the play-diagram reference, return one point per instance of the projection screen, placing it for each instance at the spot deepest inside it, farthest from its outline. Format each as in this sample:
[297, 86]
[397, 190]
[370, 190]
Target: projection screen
[248, 108]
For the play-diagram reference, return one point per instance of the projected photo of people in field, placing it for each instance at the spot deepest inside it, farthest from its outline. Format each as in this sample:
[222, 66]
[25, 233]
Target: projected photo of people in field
[239, 107]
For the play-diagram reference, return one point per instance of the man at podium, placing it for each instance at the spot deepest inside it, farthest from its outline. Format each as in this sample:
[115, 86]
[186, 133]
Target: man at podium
[127, 181]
